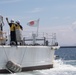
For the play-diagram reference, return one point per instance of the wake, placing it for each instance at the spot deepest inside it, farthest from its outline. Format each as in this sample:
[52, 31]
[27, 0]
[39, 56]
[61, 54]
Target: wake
[60, 68]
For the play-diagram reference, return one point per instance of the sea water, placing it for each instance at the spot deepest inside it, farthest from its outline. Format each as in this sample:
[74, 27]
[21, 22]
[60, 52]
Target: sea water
[64, 65]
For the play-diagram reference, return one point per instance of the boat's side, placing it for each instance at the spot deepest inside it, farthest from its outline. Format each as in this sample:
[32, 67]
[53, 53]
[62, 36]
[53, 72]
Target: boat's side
[28, 57]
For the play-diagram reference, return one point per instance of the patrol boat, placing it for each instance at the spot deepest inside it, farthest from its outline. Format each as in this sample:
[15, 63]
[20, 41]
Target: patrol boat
[30, 53]
[26, 56]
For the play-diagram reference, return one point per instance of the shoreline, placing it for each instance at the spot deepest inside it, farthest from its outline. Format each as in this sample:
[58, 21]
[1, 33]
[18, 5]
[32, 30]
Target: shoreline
[67, 46]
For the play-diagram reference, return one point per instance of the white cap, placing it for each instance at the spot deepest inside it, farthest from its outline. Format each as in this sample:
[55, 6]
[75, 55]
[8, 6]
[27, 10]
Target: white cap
[12, 21]
[18, 22]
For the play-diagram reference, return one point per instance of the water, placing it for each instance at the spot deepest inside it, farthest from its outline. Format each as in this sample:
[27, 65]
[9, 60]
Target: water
[67, 53]
[65, 65]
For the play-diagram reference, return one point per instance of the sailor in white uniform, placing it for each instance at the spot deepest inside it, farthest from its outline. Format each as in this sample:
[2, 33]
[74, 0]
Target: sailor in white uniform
[18, 31]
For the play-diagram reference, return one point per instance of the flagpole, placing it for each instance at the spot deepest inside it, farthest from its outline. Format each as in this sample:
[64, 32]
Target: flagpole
[38, 27]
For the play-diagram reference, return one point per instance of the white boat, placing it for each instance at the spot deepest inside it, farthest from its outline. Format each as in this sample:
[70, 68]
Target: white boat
[26, 56]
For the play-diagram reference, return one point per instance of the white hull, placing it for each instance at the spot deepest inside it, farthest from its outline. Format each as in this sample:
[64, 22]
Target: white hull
[26, 56]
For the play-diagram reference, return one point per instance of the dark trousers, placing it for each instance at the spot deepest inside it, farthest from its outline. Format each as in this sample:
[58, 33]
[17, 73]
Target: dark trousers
[13, 37]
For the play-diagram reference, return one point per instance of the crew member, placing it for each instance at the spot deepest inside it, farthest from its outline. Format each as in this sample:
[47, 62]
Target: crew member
[12, 32]
[19, 29]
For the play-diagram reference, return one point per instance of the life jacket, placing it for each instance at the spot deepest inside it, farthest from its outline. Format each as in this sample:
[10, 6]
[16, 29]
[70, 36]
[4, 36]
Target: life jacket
[12, 28]
[18, 27]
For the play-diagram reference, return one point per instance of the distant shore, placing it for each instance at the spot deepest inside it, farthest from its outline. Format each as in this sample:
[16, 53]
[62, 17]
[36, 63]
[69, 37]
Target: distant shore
[68, 47]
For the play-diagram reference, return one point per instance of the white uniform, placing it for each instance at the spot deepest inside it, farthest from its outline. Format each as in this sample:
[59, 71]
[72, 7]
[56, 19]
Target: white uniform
[19, 35]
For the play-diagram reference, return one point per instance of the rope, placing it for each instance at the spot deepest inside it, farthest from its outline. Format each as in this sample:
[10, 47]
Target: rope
[5, 52]
[23, 56]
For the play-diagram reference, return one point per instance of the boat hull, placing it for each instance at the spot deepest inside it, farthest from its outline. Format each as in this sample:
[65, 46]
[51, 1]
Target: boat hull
[28, 57]
[25, 69]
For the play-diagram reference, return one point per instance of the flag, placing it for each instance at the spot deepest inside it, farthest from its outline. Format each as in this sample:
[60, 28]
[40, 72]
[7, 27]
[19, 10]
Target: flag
[33, 23]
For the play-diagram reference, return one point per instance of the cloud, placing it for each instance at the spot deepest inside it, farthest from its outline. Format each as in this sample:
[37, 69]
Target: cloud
[65, 35]
[64, 18]
[67, 17]
[36, 10]
[74, 23]
[9, 1]
[55, 18]
[74, 26]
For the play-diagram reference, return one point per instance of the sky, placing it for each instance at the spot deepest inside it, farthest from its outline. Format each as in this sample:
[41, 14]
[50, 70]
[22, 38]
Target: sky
[56, 16]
